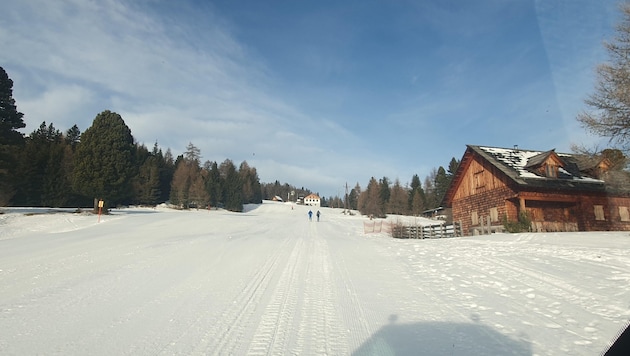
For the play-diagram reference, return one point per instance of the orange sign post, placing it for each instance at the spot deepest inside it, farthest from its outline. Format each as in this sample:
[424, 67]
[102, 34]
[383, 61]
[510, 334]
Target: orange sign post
[100, 208]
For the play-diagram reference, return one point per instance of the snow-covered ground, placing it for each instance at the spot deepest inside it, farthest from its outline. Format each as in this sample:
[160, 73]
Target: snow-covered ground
[269, 282]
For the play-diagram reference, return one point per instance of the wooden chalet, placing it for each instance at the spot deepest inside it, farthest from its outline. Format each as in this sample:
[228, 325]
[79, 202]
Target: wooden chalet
[558, 191]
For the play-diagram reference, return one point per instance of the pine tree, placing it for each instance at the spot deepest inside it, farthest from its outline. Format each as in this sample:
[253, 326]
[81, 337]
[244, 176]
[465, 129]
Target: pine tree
[104, 160]
[232, 187]
[56, 191]
[417, 205]
[370, 200]
[192, 154]
[252, 192]
[398, 199]
[197, 194]
[73, 136]
[40, 169]
[180, 185]
[431, 200]
[213, 185]
[384, 194]
[10, 119]
[441, 185]
[146, 183]
[414, 186]
[353, 197]
[167, 169]
[188, 185]
[10, 139]
[452, 167]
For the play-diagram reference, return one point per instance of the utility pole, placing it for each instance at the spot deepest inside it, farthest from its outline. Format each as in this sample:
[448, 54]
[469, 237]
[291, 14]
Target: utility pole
[345, 201]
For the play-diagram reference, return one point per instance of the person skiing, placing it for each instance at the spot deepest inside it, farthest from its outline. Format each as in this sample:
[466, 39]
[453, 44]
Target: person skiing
[318, 213]
[310, 215]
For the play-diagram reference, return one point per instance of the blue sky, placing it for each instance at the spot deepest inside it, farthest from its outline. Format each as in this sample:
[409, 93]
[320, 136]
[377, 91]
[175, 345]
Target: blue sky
[317, 93]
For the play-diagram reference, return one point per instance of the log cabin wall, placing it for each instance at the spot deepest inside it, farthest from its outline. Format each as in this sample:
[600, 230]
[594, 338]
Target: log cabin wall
[482, 193]
[604, 213]
[489, 183]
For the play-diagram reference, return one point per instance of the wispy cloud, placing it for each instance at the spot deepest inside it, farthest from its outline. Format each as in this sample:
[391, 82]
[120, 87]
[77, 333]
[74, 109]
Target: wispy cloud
[315, 95]
[172, 82]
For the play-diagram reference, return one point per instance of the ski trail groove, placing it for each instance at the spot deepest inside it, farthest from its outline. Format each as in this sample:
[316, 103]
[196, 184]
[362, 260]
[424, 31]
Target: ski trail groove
[227, 332]
[320, 332]
[270, 337]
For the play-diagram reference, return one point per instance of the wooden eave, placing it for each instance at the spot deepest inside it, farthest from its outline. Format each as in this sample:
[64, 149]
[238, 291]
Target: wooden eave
[469, 156]
[464, 163]
[542, 159]
[530, 195]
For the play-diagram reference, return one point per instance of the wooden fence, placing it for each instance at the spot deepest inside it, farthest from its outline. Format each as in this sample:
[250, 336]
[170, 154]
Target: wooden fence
[376, 226]
[413, 232]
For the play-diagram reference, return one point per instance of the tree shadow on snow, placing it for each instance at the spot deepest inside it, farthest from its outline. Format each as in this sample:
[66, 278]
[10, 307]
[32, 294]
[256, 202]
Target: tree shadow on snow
[441, 338]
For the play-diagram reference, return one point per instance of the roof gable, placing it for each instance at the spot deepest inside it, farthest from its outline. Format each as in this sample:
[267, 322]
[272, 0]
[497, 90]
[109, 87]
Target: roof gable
[524, 165]
[544, 158]
[526, 168]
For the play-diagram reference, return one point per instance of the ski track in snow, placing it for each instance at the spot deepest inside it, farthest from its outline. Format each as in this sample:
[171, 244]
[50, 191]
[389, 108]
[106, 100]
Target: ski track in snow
[269, 282]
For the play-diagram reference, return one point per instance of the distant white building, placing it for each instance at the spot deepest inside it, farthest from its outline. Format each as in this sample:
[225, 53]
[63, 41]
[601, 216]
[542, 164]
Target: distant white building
[312, 200]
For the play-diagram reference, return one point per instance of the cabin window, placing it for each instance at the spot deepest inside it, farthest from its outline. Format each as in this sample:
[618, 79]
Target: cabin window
[599, 212]
[624, 214]
[478, 181]
[551, 171]
[494, 214]
[474, 218]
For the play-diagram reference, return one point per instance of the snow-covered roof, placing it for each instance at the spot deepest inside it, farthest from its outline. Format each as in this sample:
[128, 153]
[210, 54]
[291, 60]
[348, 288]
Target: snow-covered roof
[519, 160]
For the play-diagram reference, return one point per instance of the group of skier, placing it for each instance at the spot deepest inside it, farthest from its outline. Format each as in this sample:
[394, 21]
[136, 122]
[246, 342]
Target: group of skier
[310, 215]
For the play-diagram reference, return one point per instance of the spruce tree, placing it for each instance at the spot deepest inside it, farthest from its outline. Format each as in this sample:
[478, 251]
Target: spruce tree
[73, 136]
[384, 194]
[56, 191]
[103, 163]
[213, 185]
[452, 167]
[167, 169]
[10, 119]
[10, 139]
[353, 197]
[39, 168]
[441, 185]
[414, 186]
[232, 186]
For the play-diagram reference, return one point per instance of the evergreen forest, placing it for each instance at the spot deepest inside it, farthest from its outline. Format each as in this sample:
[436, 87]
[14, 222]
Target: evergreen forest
[54, 168]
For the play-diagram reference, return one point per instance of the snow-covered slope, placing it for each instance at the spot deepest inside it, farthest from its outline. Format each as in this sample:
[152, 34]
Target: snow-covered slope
[269, 282]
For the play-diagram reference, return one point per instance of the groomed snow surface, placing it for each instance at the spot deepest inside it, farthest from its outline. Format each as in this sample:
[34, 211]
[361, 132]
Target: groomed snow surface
[269, 282]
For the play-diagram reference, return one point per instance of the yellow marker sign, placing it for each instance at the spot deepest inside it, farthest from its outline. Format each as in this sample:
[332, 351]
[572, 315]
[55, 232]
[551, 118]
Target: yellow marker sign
[100, 203]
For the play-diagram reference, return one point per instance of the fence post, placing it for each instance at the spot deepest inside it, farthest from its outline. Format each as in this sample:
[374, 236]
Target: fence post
[489, 230]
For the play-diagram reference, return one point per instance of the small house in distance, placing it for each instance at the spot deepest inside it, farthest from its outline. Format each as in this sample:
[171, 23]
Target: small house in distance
[557, 191]
[312, 200]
